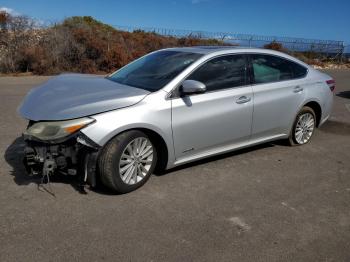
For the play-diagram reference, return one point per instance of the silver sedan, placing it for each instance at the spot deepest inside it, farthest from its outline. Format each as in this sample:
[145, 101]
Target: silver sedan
[168, 108]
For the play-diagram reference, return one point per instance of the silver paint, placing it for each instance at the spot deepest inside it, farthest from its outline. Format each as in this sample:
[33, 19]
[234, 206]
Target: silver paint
[69, 96]
[199, 125]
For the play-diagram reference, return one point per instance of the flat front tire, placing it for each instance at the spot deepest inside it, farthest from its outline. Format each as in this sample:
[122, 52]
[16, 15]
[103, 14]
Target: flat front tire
[127, 161]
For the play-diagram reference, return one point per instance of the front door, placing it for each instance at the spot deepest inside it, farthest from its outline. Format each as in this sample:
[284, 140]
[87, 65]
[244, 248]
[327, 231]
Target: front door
[222, 116]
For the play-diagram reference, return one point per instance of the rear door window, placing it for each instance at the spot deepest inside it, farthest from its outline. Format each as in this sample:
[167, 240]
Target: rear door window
[269, 68]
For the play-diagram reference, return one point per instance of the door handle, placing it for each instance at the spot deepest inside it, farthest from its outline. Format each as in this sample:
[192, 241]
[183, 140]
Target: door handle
[243, 100]
[298, 89]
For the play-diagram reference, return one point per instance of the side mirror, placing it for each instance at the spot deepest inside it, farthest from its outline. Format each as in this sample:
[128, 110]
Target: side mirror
[192, 87]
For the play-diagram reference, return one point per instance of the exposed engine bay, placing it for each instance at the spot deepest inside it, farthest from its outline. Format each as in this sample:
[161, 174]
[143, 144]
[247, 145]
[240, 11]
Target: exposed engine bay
[74, 156]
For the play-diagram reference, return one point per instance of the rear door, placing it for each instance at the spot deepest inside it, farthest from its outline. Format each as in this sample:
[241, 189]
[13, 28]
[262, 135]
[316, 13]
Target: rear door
[278, 87]
[219, 117]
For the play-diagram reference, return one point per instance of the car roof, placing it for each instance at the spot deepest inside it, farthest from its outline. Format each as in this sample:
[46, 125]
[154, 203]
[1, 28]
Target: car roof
[221, 50]
[211, 49]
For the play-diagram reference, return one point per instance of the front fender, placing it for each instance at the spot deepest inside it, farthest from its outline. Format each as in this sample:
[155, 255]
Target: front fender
[153, 113]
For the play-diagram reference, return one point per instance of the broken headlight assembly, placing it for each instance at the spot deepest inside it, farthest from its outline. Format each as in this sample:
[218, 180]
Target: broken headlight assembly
[58, 147]
[55, 130]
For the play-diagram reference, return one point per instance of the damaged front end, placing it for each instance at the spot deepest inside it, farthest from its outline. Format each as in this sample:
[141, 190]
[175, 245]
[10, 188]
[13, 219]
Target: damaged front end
[50, 151]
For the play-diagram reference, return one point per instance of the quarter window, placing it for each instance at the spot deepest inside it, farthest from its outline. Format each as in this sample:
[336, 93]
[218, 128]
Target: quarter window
[269, 68]
[222, 72]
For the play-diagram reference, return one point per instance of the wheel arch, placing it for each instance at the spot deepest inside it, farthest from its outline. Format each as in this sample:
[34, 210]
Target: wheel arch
[157, 140]
[314, 105]
[161, 147]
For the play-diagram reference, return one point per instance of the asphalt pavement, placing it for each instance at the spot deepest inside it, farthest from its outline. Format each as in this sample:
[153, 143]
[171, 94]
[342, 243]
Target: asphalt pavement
[271, 202]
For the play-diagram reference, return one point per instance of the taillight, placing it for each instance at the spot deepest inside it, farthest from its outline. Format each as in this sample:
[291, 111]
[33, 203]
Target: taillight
[331, 84]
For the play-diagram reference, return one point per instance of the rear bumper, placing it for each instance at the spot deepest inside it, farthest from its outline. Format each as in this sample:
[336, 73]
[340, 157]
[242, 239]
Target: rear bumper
[76, 156]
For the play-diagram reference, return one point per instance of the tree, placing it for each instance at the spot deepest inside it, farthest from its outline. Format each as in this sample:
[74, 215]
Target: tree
[15, 36]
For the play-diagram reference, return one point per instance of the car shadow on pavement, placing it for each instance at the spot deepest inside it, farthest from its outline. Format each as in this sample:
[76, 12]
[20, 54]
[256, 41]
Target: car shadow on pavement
[344, 94]
[14, 157]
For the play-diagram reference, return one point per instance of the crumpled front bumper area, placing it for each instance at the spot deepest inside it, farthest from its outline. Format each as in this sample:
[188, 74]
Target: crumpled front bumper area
[76, 156]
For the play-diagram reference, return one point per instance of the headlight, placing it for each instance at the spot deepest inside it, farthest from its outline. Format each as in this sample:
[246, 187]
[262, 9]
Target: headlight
[58, 129]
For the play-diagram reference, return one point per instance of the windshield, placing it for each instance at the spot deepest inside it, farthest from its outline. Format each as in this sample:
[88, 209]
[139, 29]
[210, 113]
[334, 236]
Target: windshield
[152, 72]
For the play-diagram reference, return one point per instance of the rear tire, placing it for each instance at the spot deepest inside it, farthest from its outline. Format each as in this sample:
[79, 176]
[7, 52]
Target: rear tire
[303, 127]
[127, 161]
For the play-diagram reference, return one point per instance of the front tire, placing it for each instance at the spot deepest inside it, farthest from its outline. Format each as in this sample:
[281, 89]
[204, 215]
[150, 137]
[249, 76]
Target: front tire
[127, 161]
[303, 127]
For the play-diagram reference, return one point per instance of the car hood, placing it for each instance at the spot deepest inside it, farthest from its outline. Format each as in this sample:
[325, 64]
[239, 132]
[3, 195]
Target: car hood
[69, 96]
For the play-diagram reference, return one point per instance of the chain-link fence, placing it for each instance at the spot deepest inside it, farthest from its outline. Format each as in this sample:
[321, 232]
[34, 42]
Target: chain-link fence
[330, 49]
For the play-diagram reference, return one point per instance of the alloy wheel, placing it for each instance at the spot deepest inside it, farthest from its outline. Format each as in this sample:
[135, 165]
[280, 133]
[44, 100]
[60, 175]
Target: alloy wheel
[304, 128]
[136, 160]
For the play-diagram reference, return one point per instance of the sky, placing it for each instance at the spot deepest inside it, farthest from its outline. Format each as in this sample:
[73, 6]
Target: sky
[316, 19]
